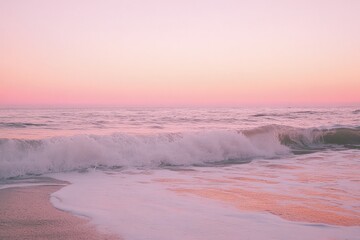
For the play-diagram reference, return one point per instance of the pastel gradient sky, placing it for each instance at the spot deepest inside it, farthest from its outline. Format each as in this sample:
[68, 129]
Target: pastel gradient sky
[179, 53]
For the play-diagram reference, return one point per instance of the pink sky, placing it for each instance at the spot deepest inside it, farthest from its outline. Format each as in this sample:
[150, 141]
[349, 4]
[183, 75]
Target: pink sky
[174, 53]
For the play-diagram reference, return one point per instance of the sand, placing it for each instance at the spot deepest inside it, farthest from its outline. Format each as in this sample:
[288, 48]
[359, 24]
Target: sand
[26, 213]
[304, 203]
[288, 207]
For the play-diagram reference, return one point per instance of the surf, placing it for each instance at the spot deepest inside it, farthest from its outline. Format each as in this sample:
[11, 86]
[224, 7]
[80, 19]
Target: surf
[20, 157]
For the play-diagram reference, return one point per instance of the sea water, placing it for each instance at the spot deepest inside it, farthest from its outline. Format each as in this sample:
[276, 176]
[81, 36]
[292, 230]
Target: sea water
[195, 173]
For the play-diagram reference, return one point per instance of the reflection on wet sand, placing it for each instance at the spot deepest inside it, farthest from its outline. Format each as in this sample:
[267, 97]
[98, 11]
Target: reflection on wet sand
[313, 189]
[285, 206]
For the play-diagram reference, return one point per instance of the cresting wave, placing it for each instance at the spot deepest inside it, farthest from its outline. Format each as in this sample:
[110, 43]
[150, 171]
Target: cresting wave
[312, 138]
[22, 157]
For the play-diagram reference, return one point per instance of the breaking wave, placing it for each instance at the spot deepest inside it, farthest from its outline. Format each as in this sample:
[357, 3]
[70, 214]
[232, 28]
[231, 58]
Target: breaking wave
[312, 138]
[20, 157]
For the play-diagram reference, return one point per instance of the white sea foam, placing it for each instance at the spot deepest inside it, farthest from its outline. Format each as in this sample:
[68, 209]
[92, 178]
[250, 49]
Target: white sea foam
[134, 205]
[20, 157]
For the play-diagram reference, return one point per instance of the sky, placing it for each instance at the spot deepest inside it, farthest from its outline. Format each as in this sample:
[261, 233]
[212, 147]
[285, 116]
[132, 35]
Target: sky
[179, 53]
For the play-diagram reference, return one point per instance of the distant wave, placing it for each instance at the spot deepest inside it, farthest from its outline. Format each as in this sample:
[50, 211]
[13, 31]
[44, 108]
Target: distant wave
[287, 114]
[22, 157]
[267, 115]
[20, 124]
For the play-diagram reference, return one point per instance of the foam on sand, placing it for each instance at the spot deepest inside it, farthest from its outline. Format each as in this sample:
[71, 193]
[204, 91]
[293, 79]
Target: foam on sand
[198, 203]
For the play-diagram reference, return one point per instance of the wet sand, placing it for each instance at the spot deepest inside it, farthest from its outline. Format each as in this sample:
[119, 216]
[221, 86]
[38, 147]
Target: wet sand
[285, 206]
[26, 213]
[320, 189]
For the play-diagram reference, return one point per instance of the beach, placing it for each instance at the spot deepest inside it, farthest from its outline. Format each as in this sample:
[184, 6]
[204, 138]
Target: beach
[26, 213]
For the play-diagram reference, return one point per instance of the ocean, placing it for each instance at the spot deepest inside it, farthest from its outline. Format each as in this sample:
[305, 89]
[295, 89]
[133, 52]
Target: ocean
[194, 173]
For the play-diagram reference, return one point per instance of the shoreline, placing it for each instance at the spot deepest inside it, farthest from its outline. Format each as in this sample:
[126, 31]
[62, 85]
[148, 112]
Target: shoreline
[295, 209]
[27, 213]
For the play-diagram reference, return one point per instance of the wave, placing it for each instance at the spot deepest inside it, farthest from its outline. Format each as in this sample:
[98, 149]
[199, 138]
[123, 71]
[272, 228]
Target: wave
[287, 114]
[301, 141]
[20, 124]
[23, 157]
